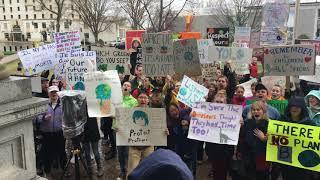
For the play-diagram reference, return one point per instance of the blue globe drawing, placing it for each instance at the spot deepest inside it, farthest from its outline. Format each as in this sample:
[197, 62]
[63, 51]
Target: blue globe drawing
[183, 91]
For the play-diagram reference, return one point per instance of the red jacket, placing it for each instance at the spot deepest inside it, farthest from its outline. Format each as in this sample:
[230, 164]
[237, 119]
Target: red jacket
[253, 70]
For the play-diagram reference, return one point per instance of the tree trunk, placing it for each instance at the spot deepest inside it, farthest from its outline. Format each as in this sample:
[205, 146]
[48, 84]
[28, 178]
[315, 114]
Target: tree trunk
[58, 24]
[96, 34]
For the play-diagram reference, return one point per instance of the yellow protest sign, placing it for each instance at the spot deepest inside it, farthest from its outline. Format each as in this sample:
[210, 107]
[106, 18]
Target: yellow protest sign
[294, 145]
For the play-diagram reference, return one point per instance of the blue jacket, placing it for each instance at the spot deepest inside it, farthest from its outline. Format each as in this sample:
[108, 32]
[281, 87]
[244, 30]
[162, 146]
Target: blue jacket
[55, 123]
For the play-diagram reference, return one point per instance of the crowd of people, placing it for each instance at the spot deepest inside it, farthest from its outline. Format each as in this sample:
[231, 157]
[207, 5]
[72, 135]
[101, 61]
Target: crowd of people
[245, 161]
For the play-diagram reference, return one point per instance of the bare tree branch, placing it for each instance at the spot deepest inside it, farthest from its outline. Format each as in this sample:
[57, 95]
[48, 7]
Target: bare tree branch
[58, 11]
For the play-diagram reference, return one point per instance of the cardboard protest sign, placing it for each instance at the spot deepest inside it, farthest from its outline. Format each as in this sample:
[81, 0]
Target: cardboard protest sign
[316, 43]
[216, 123]
[203, 47]
[39, 59]
[109, 58]
[190, 35]
[275, 14]
[289, 60]
[254, 40]
[236, 54]
[67, 41]
[75, 69]
[294, 145]
[241, 69]
[242, 35]
[272, 36]
[220, 36]
[247, 87]
[134, 39]
[186, 57]
[315, 78]
[209, 71]
[158, 59]
[64, 57]
[141, 127]
[191, 92]
[104, 93]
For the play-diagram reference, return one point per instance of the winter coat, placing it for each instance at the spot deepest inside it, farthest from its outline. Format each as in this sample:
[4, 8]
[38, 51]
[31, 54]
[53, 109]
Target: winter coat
[53, 124]
[314, 113]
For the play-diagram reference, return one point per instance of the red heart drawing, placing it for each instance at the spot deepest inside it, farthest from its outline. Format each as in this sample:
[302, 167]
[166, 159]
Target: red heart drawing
[307, 59]
[266, 51]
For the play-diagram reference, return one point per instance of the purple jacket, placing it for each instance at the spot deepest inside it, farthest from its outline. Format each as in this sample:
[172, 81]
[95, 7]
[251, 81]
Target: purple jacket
[55, 123]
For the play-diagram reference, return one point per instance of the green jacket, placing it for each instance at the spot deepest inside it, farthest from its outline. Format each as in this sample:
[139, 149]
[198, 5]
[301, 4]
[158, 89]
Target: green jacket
[128, 102]
[314, 113]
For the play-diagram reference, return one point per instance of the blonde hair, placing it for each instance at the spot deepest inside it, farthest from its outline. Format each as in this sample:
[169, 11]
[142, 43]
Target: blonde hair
[221, 94]
[259, 105]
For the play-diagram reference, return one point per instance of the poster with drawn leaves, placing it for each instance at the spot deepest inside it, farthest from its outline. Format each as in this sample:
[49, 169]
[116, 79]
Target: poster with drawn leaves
[158, 59]
[191, 92]
[215, 123]
[110, 58]
[104, 93]
[141, 126]
[39, 59]
[289, 60]
[75, 69]
[187, 60]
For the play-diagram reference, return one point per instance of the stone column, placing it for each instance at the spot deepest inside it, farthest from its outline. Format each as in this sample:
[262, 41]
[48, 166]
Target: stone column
[17, 110]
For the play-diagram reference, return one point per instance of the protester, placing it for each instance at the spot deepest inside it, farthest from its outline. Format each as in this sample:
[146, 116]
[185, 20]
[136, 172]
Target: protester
[313, 103]
[253, 91]
[128, 102]
[223, 84]
[261, 94]
[253, 149]
[173, 121]
[108, 134]
[90, 139]
[253, 67]
[161, 165]
[238, 98]
[53, 147]
[145, 86]
[276, 93]
[138, 80]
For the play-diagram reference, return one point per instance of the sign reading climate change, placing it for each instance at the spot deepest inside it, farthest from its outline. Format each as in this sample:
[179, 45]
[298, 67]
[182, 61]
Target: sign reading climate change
[104, 93]
[141, 127]
[109, 58]
[191, 92]
[220, 36]
[216, 123]
[158, 59]
[39, 59]
[289, 60]
[186, 57]
[294, 145]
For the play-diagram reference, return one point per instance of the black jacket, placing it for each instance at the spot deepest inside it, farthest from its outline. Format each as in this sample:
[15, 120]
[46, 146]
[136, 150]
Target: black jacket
[91, 132]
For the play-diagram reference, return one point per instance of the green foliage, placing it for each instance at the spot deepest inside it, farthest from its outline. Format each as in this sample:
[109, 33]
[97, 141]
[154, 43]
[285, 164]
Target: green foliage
[303, 36]
[103, 67]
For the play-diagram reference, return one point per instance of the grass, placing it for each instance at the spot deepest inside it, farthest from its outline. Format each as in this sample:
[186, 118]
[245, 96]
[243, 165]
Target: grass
[12, 66]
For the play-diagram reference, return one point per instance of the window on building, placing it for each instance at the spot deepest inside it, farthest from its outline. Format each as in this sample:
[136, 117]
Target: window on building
[10, 9]
[28, 35]
[28, 25]
[33, 1]
[18, 8]
[86, 35]
[27, 16]
[66, 25]
[17, 1]
[44, 25]
[26, 8]
[50, 7]
[11, 16]
[51, 16]
[52, 25]
[4, 17]
[4, 9]
[19, 16]
[10, 1]
[35, 25]
[3, 2]
[5, 25]
[72, 7]
[6, 35]
[42, 16]
[25, 1]
[72, 15]
[85, 26]
[34, 8]
[34, 16]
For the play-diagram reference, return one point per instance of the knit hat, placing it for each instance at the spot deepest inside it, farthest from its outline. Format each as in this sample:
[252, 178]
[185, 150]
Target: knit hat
[161, 165]
[260, 87]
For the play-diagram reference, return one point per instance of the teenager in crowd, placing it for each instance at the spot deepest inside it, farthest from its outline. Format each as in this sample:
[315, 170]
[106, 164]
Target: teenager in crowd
[296, 112]
[253, 149]
[173, 121]
[313, 103]
[90, 140]
[161, 165]
[145, 86]
[261, 94]
[138, 80]
[238, 98]
[253, 91]
[128, 102]
[253, 67]
[276, 93]
[223, 83]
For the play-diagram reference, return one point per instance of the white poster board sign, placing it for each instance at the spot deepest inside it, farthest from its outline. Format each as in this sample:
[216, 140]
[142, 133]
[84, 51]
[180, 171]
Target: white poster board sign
[75, 69]
[39, 59]
[315, 78]
[203, 47]
[67, 41]
[247, 87]
[36, 84]
[289, 60]
[158, 59]
[104, 93]
[141, 127]
[215, 123]
[110, 58]
[242, 35]
[191, 92]
[236, 54]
